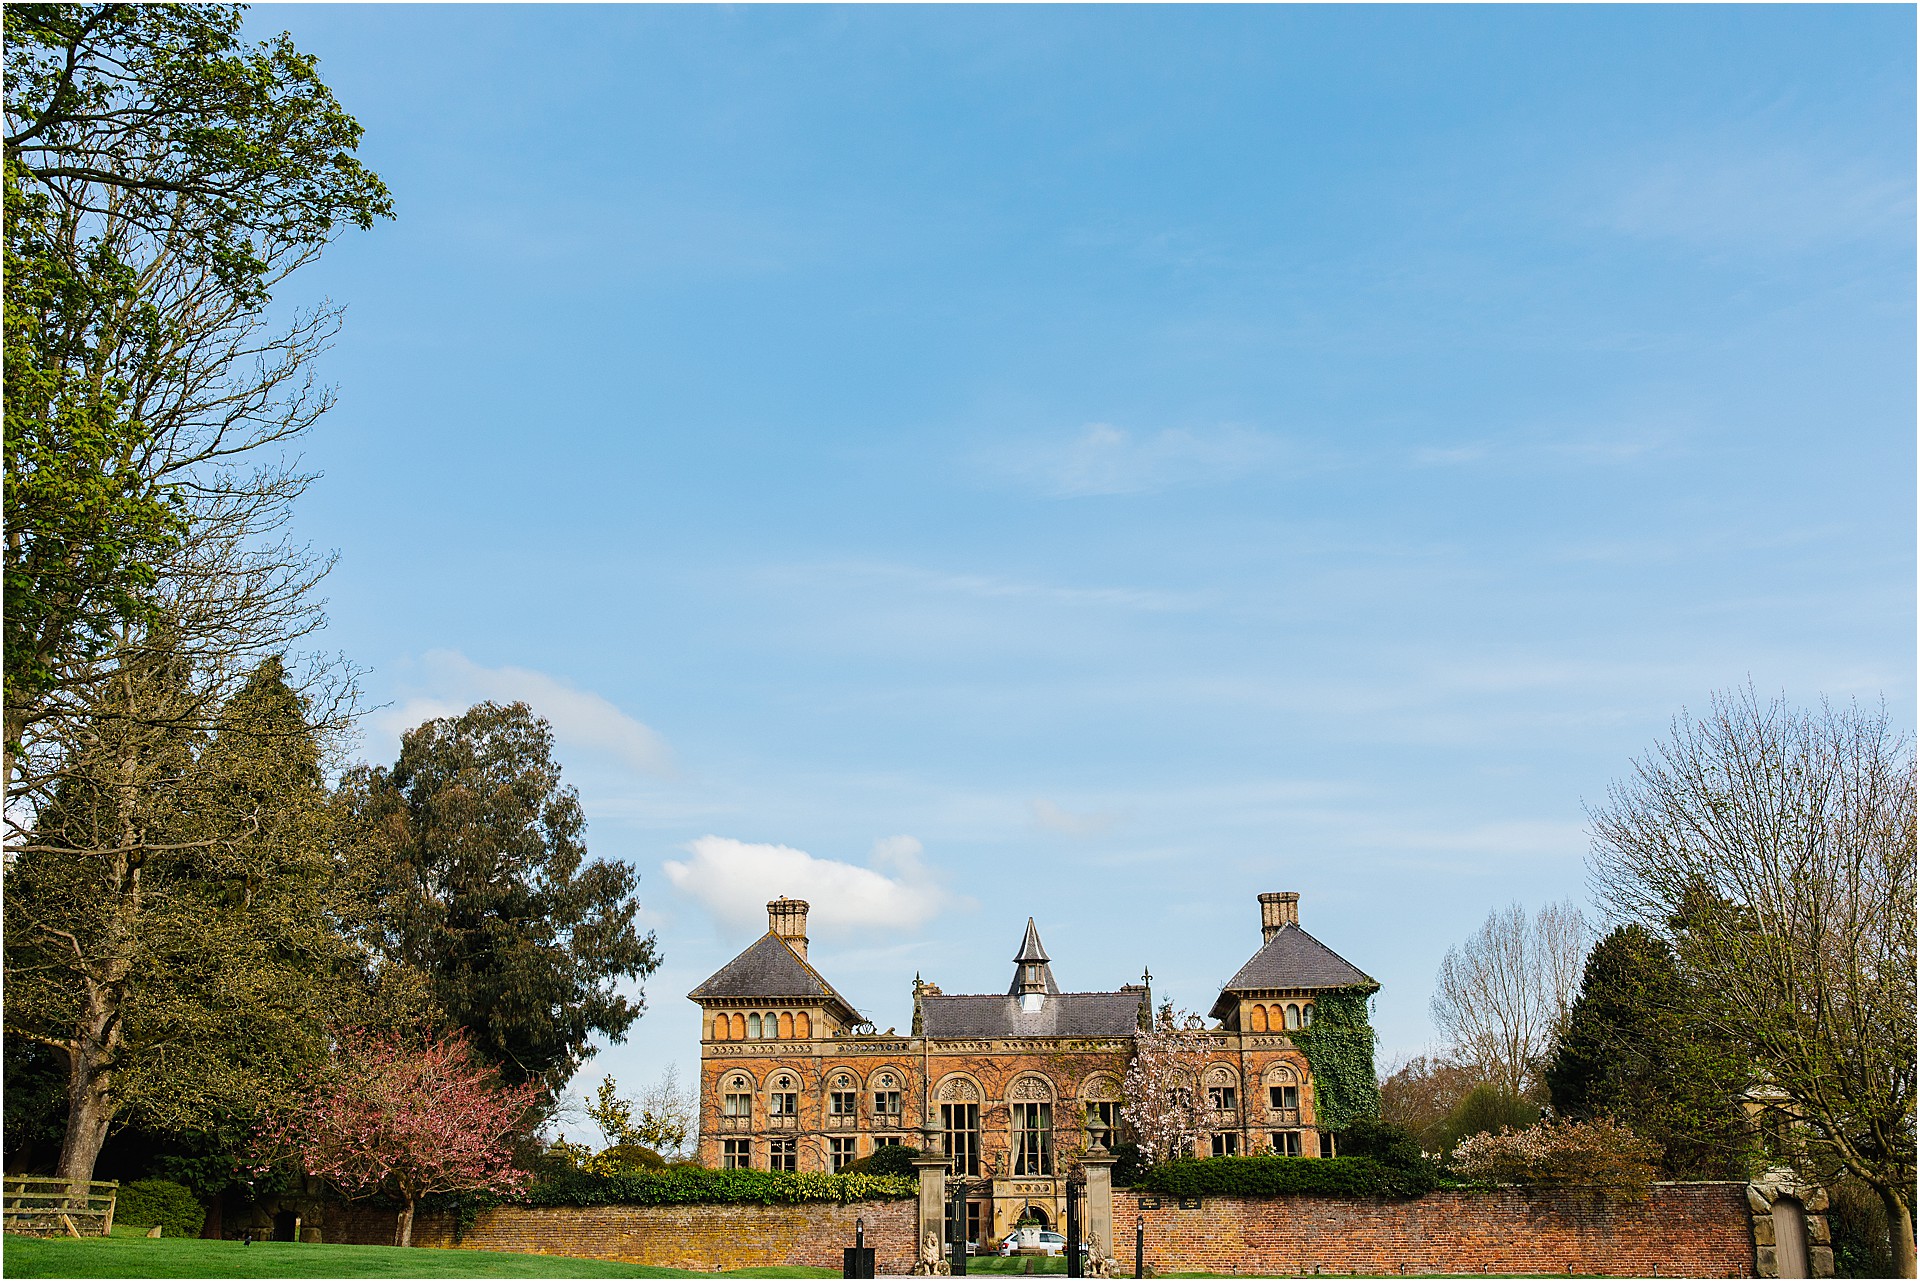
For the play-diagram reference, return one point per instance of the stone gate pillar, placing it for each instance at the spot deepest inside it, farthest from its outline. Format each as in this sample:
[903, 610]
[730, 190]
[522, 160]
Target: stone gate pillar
[1097, 1219]
[932, 1170]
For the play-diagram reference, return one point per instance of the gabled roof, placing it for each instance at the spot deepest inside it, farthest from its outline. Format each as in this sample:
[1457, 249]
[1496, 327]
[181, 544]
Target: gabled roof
[1060, 1015]
[1291, 959]
[771, 969]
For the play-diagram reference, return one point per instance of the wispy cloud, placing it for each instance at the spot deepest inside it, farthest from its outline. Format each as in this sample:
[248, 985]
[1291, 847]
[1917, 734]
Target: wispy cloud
[1781, 199]
[993, 587]
[1106, 460]
[444, 683]
[733, 880]
[1051, 817]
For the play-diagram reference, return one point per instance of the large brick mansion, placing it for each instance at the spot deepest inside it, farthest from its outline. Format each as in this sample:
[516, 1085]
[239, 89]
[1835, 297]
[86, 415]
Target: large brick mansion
[1015, 1084]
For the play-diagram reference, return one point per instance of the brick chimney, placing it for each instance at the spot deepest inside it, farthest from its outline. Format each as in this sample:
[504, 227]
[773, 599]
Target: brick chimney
[787, 918]
[1278, 908]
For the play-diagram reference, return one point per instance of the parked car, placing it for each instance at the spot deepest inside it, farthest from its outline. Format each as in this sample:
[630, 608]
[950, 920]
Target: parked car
[1047, 1241]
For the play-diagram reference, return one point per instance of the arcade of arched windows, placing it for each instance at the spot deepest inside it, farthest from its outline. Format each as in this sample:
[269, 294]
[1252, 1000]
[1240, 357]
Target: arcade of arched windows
[1274, 1017]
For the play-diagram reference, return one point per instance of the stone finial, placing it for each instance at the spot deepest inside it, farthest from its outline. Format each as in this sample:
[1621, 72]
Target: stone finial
[1278, 908]
[787, 918]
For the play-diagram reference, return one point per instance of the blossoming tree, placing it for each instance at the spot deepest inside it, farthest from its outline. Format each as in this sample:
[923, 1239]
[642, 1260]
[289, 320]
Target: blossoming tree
[1162, 1086]
[406, 1119]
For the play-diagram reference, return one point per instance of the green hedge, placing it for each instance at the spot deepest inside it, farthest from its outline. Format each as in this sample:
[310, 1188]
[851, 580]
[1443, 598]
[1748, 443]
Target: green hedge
[1264, 1176]
[696, 1184]
[145, 1203]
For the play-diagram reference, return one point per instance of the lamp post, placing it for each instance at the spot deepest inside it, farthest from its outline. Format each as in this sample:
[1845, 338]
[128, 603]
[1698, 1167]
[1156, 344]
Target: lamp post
[1140, 1247]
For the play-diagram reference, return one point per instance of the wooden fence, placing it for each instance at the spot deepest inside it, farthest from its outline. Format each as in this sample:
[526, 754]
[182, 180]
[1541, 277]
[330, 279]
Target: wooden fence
[45, 1205]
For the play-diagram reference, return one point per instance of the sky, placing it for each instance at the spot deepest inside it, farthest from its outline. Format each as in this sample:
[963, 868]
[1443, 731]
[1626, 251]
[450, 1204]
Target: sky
[1099, 464]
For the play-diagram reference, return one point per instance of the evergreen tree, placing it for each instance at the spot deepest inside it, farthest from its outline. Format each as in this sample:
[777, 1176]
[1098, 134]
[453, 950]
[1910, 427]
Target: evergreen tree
[1633, 1052]
[480, 886]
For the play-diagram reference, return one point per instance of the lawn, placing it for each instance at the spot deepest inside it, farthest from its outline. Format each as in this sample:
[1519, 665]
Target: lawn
[144, 1257]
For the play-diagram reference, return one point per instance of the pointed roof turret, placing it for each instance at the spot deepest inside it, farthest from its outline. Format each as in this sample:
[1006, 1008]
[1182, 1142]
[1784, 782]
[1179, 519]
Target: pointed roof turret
[1032, 971]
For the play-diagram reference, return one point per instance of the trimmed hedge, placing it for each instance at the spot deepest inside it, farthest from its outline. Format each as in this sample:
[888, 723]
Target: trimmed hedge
[684, 1184]
[145, 1203]
[1265, 1176]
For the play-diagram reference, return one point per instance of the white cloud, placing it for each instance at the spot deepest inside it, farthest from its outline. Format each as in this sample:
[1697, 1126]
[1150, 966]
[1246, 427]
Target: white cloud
[1050, 817]
[733, 880]
[445, 683]
[1104, 459]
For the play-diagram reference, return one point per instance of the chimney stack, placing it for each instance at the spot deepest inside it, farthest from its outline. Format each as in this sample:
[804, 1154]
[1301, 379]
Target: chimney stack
[787, 918]
[1277, 909]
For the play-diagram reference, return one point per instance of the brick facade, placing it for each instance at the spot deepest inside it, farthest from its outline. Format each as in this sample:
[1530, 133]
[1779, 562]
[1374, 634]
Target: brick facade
[1679, 1230]
[703, 1238]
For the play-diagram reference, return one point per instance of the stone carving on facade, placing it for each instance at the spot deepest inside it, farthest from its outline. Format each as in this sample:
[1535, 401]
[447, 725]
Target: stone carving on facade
[1031, 1088]
[1280, 1075]
[1099, 1264]
[958, 1090]
[1220, 1075]
[1102, 1090]
[931, 1262]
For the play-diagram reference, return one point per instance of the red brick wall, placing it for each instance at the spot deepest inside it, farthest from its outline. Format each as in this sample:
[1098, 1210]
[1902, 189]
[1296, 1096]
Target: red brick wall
[679, 1237]
[1684, 1230]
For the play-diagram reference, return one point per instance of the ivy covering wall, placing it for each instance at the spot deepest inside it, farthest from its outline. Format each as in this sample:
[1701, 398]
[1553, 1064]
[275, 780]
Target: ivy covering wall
[1339, 1050]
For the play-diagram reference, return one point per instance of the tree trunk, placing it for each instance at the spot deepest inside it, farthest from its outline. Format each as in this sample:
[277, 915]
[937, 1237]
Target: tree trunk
[406, 1224]
[214, 1226]
[89, 1084]
[1900, 1229]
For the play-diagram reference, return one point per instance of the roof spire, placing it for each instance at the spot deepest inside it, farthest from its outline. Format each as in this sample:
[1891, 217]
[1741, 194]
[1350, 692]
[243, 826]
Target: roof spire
[1032, 973]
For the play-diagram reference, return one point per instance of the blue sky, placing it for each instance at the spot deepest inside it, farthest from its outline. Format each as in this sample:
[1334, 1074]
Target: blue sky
[958, 464]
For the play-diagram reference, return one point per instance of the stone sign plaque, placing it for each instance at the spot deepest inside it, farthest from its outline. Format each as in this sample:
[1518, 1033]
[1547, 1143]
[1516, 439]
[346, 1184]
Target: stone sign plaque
[1189, 1203]
[1149, 1203]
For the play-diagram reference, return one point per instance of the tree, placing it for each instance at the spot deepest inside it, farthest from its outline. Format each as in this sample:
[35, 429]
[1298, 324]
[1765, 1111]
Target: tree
[404, 1119]
[162, 178]
[1775, 847]
[168, 930]
[661, 1121]
[1635, 1051]
[1162, 1086]
[1503, 995]
[1421, 1093]
[1600, 1153]
[482, 886]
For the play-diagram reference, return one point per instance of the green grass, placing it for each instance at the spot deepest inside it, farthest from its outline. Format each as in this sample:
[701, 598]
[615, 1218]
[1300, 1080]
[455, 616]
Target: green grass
[144, 1257]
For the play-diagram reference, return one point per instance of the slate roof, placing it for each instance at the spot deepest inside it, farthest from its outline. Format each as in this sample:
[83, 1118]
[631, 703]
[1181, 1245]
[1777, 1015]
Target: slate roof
[1060, 1015]
[1291, 959]
[769, 968]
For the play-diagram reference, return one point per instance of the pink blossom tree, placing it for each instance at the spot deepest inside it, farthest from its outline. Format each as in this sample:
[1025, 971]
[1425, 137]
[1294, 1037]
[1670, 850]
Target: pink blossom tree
[406, 1119]
[1162, 1086]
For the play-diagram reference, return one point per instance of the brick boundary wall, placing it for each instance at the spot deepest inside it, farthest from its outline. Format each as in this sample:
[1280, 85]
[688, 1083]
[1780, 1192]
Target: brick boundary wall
[1679, 1230]
[701, 1237]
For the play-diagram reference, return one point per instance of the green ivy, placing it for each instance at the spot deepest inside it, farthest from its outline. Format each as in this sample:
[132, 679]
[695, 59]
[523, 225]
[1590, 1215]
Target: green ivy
[1339, 1049]
[684, 1184]
[1265, 1176]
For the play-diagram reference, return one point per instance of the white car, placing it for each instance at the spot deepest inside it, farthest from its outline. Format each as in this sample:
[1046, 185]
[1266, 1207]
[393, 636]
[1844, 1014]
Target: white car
[1048, 1242]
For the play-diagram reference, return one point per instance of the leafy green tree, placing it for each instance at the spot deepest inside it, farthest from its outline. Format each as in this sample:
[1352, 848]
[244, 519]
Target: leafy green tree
[1635, 1051]
[161, 178]
[481, 885]
[1488, 1107]
[168, 929]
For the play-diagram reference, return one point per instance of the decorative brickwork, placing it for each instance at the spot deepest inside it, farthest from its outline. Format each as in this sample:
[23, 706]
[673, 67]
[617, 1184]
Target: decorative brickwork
[678, 1237]
[1680, 1230]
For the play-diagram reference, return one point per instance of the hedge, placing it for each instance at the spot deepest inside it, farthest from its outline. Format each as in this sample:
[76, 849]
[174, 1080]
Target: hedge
[696, 1184]
[145, 1203]
[1265, 1176]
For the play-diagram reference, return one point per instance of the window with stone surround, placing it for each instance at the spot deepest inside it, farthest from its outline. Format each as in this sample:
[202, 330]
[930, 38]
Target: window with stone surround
[737, 1101]
[783, 1155]
[783, 1100]
[1286, 1143]
[960, 1132]
[1283, 1097]
[736, 1155]
[839, 1153]
[1222, 1097]
[886, 1099]
[1226, 1144]
[1033, 1139]
[887, 1141]
[1293, 1015]
[753, 1026]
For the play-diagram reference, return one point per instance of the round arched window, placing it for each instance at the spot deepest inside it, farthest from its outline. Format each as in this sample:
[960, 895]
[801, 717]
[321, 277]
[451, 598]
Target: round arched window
[1293, 1015]
[1306, 1014]
[753, 1025]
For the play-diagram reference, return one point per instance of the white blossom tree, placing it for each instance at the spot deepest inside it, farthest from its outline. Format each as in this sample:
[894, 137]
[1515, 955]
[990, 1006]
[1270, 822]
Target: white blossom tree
[1162, 1086]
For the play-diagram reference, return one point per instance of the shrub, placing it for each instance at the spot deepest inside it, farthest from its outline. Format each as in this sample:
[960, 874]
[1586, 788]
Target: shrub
[145, 1203]
[1862, 1246]
[1601, 1153]
[1126, 1171]
[624, 1157]
[1264, 1176]
[1487, 1108]
[682, 1184]
[894, 1159]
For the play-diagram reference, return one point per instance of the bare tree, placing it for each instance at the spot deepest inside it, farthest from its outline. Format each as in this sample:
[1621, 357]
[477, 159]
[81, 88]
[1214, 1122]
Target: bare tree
[1504, 994]
[1775, 847]
[1162, 1086]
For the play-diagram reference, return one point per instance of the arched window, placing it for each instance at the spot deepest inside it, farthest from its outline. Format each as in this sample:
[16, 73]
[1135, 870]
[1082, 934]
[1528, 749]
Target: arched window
[753, 1026]
[1276, 1018]
[802, 1025]
[1257, 1018]
[739, 1028]
[1306, 1014]
[1293, 1015]
[786, 1023]
[721, 1027]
